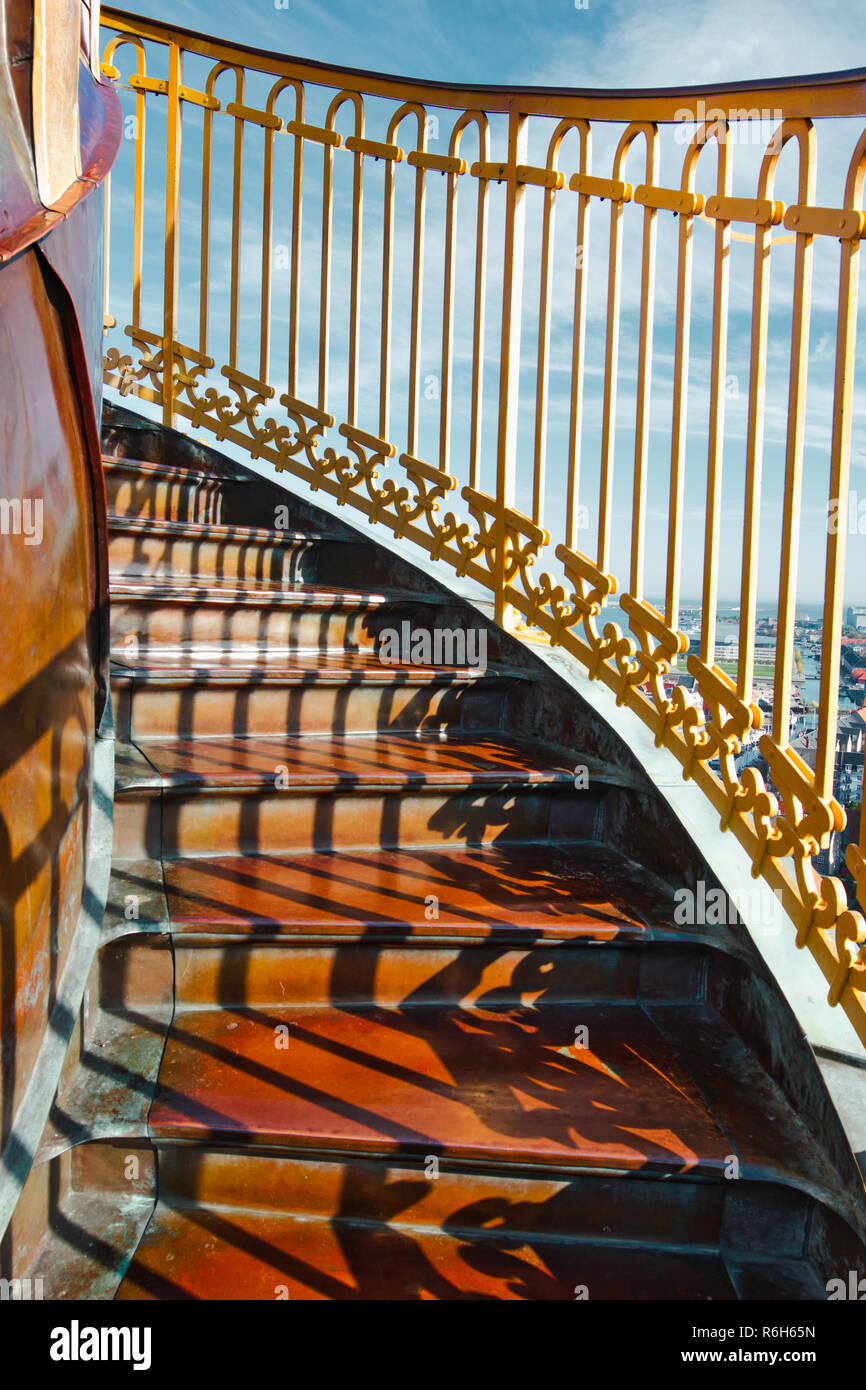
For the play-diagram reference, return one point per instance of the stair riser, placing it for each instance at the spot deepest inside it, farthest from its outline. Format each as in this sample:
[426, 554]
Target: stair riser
[255, 975]
[660, 1214]
[151, 711]
[200, 822]
[153, 623]
[163, 499]
[290, 563]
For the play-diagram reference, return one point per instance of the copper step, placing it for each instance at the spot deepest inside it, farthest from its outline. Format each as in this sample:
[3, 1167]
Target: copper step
[197, 796]
[260, 973]
[254, 1227]
[151, 490]
[245, 1226]
[138, 547]
[388, 761]
[148, 613]
[319, 693]
[575, 1085]
[522, 893]
[190, 1253]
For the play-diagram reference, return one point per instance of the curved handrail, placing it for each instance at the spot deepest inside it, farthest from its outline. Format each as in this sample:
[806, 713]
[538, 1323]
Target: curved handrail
[836, 93]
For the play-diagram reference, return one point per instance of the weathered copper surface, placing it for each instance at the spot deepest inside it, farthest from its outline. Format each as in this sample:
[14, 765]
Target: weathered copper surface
[49, 596]
[23, 219]
[500, 1078]
[53, 593]
[402, 1025]
[320, 694]
[400, 760]
[195, 1253]
[477, 891]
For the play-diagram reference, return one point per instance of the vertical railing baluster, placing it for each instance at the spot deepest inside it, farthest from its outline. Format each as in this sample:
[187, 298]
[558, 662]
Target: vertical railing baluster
[387, 292]
[578, 344]
[325, 274]
[548, 220]
[644, 375]
[172, 230]
[611, 348]
[611, 351]
[509, 355]
[267, 253]
[355, 289]
[137, 82]
[267, 237]
[354, 144]
[840, 467]
[204, 260]
[755, 444]
[715, 450]
[682, 340]
[296, 129]
[479, 119]
[237, 224]
[295, 253]
[611, 370]
[478, 312]
[794, 451]
[138, 207]
[448, 277]
[417, 292]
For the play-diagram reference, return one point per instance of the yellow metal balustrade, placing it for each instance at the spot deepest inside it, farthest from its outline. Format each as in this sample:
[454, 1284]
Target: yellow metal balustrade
[488, 537]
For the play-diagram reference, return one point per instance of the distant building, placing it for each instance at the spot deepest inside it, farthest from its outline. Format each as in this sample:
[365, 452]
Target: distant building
[847, 780]
[848, 762]
[856, 617]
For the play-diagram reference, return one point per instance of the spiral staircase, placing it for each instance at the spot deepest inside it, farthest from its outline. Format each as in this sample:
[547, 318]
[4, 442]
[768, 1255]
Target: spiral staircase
[338, 962]
[395, 1005]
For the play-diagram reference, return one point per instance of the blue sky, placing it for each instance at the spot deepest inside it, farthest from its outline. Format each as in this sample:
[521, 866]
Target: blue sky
[611, 43]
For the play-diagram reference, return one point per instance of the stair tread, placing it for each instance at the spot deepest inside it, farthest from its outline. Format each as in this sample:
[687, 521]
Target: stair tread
[119, 462]
[198, 1253]
[542, 891]
[494, 1083]
[193, 589]
[771, 1137]
[370, 760]
[119, 523]
[224, 665]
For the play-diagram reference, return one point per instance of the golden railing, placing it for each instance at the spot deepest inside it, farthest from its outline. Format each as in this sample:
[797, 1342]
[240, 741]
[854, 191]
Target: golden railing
[489, 538]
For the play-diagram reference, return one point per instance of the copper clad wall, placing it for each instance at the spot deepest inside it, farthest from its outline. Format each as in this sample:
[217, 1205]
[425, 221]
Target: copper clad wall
[47, 597]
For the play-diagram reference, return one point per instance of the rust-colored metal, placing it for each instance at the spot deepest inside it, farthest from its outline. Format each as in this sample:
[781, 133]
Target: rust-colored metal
[351, 887]
[53, 552]
[86, 145]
